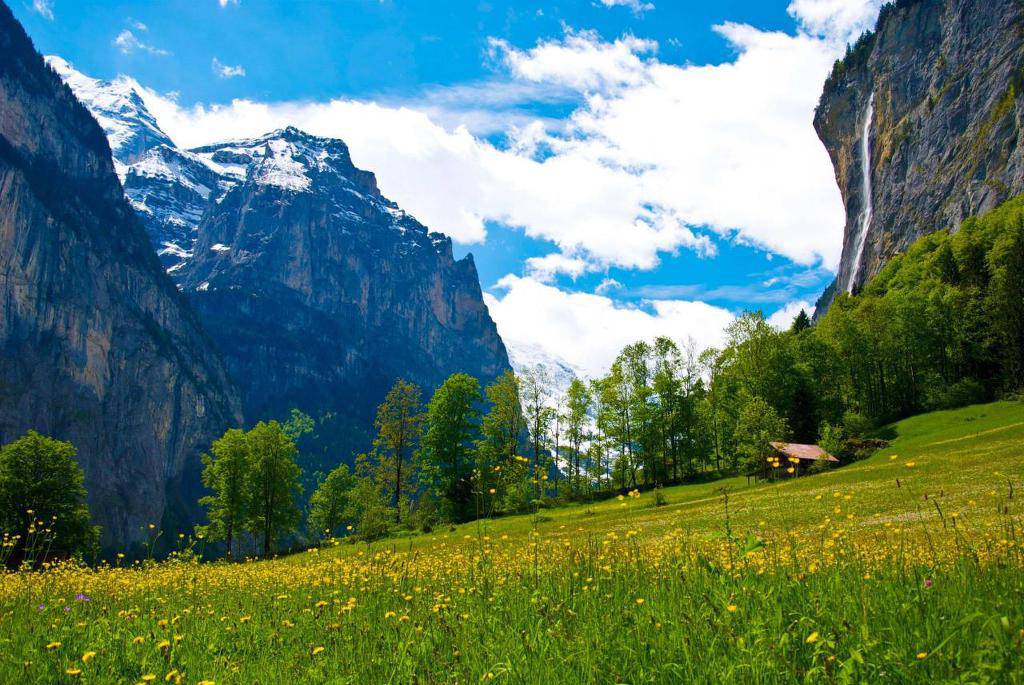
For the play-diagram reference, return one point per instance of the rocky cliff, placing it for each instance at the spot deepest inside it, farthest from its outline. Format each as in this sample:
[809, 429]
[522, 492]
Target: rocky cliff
[921, 120]
[320, 292]
[97, 346]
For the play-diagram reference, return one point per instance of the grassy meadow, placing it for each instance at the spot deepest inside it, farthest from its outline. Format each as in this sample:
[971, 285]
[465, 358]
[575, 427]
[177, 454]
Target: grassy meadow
[906, 567]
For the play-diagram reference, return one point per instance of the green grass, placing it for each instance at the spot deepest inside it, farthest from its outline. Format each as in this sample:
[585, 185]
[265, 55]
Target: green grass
[916, 578]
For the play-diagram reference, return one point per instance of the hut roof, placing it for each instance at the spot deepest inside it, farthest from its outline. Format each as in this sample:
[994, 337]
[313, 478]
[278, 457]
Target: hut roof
[806, 452]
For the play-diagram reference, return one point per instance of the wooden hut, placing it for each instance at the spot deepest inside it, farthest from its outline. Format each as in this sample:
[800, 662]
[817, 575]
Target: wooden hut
[796, 456]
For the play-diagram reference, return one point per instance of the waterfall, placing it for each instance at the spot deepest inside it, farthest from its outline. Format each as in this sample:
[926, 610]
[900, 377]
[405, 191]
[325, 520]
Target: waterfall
[865, 212]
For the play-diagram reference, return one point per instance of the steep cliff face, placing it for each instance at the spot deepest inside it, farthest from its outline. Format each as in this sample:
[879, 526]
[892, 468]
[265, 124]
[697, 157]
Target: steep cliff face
[320, 292]
[922, 120]
[97, 346]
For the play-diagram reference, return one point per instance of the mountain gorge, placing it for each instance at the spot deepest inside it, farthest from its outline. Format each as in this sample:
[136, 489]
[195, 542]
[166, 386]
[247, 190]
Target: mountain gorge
[922, 121]
[97, 345]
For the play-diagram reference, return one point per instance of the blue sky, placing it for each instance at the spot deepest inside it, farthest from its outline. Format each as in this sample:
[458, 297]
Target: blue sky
[616, 167]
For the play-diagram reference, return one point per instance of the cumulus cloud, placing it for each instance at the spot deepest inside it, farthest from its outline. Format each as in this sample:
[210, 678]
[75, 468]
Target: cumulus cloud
[127, 42]
[581, 61]
[44, 7]
[226, 70]
[590, 330]
[225, 3]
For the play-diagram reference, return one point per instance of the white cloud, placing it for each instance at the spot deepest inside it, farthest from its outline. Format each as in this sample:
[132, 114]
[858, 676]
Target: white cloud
[225, 3]
[226, 70]
[44, 7]
[547, 267]
[636, 5]
[840, 20]
[783, 318]
[580, 61]
[127, 42]
[590, 330]
[607, 285]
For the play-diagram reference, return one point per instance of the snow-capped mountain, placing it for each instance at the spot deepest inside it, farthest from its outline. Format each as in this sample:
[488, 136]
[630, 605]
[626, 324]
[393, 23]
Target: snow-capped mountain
[118, 107]
[525, 356]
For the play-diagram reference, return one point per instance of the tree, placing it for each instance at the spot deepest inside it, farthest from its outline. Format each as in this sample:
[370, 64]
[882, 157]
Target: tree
[274, 482]
[536, 392]
[398, 423]
[1006, 262]
[330, 504]
[42, 496]
[577, 409]
[801, 323]
[501, 428]
[368, 504]
[226, 473]
[446, 451]
[758, 425]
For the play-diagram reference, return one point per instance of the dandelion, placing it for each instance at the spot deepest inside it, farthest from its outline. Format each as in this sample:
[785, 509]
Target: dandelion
[53, 645]
[731, 608]
[909, 464]
[922, 655]
[317, 650]
[73, 671]
[812, 638]
[148, 677]
[88, 656]
[639, 600]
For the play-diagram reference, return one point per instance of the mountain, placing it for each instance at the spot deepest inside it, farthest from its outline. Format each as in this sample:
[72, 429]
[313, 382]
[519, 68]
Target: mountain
[97, 346]
[524, 356]
[168, 188]
[921, 120]
[320, 291]
[317, 289]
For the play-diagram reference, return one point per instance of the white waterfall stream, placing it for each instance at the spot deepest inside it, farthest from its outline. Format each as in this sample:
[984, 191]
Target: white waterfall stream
[865, 212]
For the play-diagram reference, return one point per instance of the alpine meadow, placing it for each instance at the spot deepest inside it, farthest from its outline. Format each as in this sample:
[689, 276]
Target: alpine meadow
[729, 390]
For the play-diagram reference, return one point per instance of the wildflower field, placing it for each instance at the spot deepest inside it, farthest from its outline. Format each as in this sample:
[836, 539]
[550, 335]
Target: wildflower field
[907, 567]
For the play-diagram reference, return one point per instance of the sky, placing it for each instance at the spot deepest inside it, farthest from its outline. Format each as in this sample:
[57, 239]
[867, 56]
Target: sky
[619, 169]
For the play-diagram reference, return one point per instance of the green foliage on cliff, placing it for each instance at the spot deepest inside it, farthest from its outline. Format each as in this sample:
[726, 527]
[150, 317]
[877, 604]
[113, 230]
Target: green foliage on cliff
[941, 325]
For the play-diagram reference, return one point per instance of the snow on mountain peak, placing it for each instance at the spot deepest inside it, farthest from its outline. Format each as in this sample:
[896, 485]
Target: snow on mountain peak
[118, 107]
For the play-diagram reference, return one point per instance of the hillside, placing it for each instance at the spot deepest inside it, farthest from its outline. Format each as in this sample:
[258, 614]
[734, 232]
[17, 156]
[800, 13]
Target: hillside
[904, 567]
